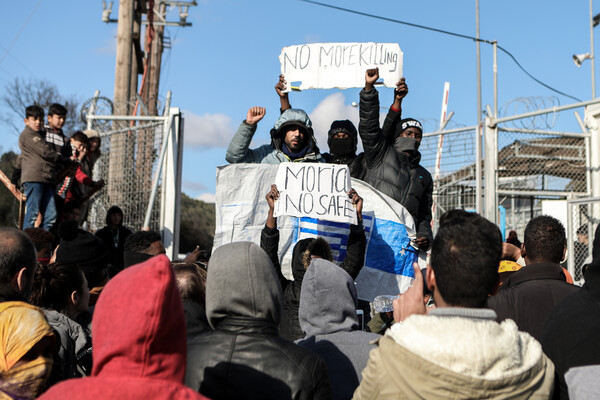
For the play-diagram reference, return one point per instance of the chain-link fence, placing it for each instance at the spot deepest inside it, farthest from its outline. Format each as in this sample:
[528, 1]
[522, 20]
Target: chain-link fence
[128, 163]
[455, 186]
[583, 216]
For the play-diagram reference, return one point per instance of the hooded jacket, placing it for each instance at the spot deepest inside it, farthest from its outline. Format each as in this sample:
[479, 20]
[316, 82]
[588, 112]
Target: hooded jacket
[328, 303]
[244, 357]
[239, 152]
[139, 339]
[73, 341]
[448, 355]
[352, 264]
[398, 175]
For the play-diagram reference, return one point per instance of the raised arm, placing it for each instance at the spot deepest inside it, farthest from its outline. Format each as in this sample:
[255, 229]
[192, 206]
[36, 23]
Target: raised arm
[269, 237]
[284, 98]
[395, 112]
[239, 147]
[357, 241]
[373, 141]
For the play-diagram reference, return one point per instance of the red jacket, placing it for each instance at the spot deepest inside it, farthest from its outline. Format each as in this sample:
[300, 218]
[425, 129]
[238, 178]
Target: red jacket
[139, 343]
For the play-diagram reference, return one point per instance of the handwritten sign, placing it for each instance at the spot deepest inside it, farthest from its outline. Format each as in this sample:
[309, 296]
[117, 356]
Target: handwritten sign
[315, 190]
[340, 65]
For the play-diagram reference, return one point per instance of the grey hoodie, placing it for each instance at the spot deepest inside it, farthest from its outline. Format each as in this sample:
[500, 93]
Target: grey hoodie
[327, 314]
[244, 357]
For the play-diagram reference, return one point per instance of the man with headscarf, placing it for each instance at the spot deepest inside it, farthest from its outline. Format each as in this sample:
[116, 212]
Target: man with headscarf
[26, 343]
[244, 357]
[392, 157]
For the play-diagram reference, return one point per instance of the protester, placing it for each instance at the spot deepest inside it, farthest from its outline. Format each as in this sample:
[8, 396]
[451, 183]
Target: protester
[139, 340]
[191, 282]
[529, 295]
[17, 265]
[141, 246]
[392, 157]
[62, 292]
[43, 242]
[302, 254]
[292, 140]
[39, 169]
[569, 336]
[458, 350]
[26, 342]
[114, 235]
[86, 250]
[244, 356]
[342, 137]
[327, 314]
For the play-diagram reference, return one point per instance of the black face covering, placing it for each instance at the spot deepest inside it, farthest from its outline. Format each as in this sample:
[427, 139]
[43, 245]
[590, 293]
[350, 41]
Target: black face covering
[342, 147]
[406, 145]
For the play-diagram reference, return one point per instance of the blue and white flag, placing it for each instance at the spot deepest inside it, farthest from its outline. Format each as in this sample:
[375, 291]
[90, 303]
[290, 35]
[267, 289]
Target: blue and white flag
[241, 213]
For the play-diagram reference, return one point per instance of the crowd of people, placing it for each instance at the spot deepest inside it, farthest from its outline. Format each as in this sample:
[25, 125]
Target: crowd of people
[109, 315]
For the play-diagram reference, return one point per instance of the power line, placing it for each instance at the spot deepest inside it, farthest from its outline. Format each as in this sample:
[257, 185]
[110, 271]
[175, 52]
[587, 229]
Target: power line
[445, 33]
[20, 31]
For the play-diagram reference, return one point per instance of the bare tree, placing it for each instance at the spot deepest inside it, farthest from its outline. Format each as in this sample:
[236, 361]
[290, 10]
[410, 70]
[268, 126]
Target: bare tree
[21, 93]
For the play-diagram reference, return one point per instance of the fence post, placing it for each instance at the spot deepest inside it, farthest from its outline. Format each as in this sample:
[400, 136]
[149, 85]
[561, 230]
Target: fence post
[490, 162]
[592, 120]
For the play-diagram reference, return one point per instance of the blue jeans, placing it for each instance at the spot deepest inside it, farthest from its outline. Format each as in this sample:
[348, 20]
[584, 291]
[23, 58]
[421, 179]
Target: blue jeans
[40, 199]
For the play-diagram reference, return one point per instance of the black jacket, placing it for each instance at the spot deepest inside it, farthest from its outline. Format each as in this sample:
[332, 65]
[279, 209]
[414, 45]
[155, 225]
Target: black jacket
[570, 336]
[399, 176]
[244, 357]
[529, 295]
[352, 264]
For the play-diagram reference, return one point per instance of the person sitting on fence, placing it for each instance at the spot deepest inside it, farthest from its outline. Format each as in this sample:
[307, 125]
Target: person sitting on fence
[69, 189]
[39, 169]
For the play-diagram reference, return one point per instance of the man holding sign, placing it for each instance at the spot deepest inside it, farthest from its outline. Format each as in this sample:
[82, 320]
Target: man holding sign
[292, 140]
[309, 248]
[392, 156]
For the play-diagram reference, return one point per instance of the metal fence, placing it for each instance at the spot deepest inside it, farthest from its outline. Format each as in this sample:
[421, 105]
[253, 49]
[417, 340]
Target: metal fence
[455, 184]
[583, 217]
[129, 160]
[141, 164]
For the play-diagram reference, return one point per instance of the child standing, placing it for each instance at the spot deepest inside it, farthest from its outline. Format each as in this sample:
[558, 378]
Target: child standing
[57, 116]
[39, 163]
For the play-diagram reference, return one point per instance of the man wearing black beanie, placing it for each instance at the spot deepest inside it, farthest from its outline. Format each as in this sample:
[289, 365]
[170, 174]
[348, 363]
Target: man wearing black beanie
[392, 156]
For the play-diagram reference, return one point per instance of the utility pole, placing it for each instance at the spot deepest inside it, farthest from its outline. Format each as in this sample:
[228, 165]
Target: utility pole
[123, 78]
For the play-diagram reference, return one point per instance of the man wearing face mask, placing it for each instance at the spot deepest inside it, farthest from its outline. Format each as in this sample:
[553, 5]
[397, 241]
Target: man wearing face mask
[392, 156]
[342, 137]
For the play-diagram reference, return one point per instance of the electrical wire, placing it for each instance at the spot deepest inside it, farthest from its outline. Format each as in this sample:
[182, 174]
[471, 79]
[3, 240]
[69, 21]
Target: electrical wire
[20, 31]
[446, 33]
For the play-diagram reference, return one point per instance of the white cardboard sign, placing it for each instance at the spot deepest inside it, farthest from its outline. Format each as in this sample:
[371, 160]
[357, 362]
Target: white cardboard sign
[340, 65]
[315, 190]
